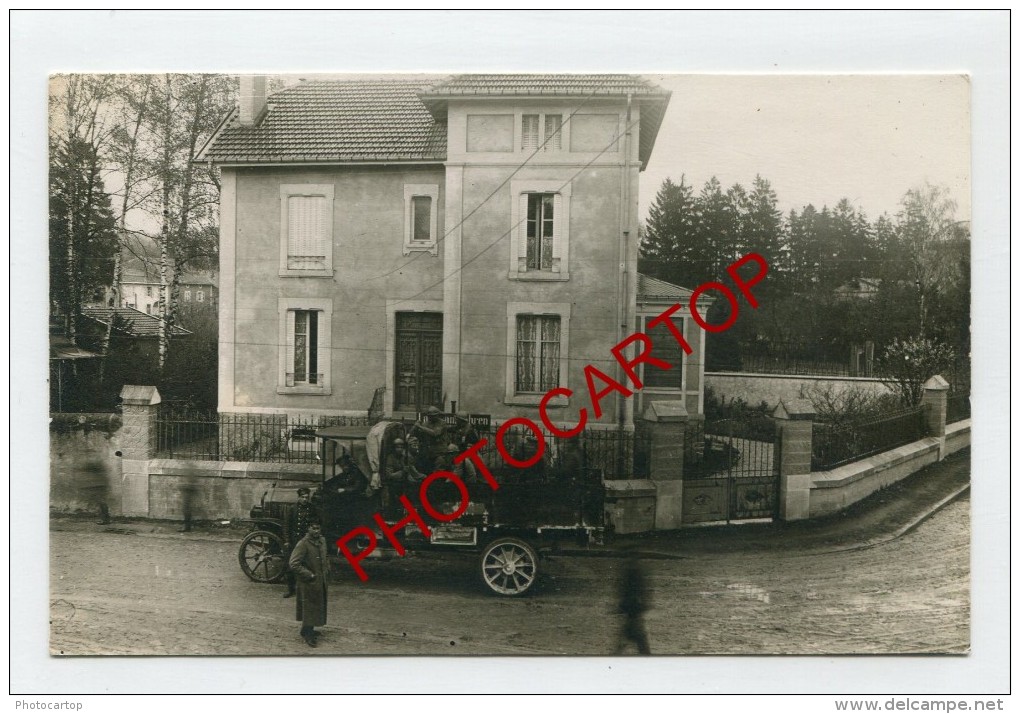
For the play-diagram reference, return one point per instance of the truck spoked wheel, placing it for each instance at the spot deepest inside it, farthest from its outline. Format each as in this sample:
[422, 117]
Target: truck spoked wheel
[509, 566]
[262, 558]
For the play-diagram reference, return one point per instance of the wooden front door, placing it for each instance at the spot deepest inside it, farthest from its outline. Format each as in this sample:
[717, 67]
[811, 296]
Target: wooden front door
[419, 361]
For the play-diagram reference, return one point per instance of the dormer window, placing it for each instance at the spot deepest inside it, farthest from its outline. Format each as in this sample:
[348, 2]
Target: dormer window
[541, 130]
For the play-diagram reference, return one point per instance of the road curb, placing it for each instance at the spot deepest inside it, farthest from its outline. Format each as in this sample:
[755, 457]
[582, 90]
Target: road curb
[861, 545]
[902, 530]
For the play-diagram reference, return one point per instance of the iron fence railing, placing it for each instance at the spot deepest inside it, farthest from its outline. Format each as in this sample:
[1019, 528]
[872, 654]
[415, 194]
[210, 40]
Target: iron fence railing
[957, 408]
[833, 445]
[595, 454]
[738, 448]
[802, 358]
[281, 438]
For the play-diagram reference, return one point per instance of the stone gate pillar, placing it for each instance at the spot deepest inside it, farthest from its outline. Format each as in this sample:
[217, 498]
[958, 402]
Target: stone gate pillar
[666, 421]
[794, 418]
[933, 401]
[138, 446]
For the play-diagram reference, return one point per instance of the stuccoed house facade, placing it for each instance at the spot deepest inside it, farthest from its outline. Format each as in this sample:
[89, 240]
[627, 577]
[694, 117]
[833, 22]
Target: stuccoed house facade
[467, 241]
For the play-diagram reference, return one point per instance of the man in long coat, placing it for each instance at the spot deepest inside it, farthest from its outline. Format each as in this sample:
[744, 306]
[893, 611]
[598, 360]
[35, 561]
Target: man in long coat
[308, 562]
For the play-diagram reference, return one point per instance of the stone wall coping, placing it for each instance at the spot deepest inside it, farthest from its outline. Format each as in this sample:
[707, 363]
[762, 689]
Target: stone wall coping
[235, 469]
[957, 428]
[820, 377]
[937, 384]
[138, 395]
[795, 409]
[848, 474]
[632, 487]
[663, 411]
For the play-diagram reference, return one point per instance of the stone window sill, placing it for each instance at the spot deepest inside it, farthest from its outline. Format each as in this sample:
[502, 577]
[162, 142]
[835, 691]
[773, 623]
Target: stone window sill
[540, 276]
[318, 391]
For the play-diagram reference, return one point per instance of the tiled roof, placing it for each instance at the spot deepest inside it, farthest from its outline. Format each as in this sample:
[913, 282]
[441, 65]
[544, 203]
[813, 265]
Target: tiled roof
[651, 289]
[134, 322]
[545, 84]
[651, 98]
[341, 121]
[355, 120]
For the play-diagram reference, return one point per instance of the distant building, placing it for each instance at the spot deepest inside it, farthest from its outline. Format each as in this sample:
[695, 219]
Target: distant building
[139, 287]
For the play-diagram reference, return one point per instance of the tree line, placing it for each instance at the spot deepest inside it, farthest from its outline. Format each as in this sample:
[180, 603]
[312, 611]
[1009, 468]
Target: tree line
[837, 278]
[123, 178]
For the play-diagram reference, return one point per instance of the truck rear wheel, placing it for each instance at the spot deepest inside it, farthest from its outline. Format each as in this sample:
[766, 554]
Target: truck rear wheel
[509, 566]
[262, 558]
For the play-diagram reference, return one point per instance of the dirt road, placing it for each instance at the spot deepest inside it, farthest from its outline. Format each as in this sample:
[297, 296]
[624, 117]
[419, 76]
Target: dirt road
[123, 593]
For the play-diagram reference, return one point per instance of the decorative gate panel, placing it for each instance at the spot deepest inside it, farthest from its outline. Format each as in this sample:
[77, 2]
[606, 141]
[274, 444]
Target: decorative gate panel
[419, 361]
[730, 471]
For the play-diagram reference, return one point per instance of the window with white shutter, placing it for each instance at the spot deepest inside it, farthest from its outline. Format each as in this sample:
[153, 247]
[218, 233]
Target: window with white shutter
[306, 240]
[529, 132]
[541, 130]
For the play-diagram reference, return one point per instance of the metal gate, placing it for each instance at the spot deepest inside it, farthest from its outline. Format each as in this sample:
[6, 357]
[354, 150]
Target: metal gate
[730, 471]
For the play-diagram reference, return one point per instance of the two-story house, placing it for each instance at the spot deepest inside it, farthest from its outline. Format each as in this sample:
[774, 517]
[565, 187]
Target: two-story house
[469, 240]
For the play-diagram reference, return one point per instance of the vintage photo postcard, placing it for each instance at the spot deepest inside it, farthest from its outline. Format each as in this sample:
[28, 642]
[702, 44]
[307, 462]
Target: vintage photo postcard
[526, 352]
[516, 364]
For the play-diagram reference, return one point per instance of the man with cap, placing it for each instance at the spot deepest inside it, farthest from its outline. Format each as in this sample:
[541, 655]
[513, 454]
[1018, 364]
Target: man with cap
[309, 563]
[300, 517]
[400, 473]
[433, 433]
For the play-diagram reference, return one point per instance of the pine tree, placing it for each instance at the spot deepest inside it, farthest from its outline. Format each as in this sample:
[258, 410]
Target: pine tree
[670, 245]
[763, 227]
[83, 241]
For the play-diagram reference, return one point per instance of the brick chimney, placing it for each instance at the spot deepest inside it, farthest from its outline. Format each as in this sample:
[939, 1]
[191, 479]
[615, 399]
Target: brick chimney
[252, 98]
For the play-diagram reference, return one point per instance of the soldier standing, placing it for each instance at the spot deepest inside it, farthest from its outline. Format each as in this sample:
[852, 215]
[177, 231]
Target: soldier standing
[308, 562]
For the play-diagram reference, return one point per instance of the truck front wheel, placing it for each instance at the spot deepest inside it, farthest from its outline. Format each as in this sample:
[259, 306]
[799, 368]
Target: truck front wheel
[509, 566]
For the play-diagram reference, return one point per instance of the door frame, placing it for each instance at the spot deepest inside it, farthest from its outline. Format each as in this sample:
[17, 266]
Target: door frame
[392, 308]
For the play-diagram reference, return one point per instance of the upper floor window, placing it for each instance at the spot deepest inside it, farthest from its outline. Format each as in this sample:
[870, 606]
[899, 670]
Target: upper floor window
[200, 296]
[148, 291]
[306, 230]
[421, 222]
[187, 296]
[540, 230]
[541, 130]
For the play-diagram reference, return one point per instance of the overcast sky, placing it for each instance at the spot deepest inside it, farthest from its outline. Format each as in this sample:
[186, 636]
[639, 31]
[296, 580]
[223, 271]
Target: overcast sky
[817, 138]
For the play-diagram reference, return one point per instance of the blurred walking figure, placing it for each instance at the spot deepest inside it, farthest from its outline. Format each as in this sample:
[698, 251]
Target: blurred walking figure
[634, 602]
[96, 487]
[188, 492]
